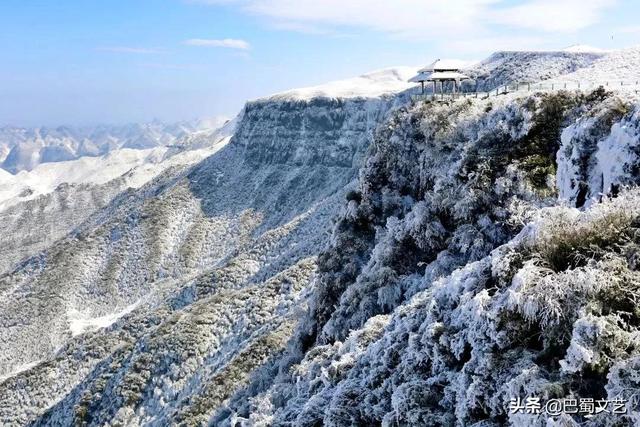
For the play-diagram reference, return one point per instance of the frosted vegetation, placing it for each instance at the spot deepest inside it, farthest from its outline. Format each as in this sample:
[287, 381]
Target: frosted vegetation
[527, 67]
[351, 260]
[454, 282]
[214, 258]
[40, 206]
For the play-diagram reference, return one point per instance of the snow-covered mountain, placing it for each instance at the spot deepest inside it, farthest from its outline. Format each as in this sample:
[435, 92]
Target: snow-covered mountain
[503, 68]
[24, 149]
[614, 67]
[351, 257]
[370, 85]
[44, 204]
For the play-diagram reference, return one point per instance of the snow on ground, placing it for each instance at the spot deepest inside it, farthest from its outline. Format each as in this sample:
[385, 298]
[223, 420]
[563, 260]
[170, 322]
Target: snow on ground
[139, 165]
[583, 48]
[374, 84]
[615, 66]
[618, 150]
[4, 175]
[25, 148]
[411, 288]
[81, 322]
[19, 369]
[507, 67]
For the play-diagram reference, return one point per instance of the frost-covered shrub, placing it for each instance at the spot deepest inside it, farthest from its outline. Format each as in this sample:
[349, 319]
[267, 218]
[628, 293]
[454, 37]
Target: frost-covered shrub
[490, 293]
[436, 192]
[568, 243]
[451, 282]
[502, 327]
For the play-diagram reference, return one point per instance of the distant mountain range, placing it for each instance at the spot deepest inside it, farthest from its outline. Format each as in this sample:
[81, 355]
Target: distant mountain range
[26, 148]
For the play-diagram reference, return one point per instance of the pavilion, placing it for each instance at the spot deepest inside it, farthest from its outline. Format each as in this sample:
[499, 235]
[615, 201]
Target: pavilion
[442, 71]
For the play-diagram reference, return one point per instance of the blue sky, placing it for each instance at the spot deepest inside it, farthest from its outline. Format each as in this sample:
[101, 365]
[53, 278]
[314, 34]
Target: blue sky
[86, 62]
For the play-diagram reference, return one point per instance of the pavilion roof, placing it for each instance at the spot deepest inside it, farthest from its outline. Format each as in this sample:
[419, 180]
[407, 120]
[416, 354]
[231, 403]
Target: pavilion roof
[444, 65]
[447, 75]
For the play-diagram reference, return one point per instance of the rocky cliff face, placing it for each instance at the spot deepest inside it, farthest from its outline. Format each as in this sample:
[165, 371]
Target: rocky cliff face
[316, 132]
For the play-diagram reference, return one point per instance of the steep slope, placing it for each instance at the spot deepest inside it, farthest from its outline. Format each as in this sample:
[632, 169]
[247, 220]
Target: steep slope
[435, 306]
[349, 260]
[202, 267]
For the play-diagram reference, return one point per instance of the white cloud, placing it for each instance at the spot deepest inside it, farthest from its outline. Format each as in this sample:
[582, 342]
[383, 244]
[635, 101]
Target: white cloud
[425, 19]
[226, 43]
[128, 49]
[553, 15]
[407, 19]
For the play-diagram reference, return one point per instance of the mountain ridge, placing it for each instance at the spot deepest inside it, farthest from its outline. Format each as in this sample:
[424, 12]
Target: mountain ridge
[324, 266]
[25, 148]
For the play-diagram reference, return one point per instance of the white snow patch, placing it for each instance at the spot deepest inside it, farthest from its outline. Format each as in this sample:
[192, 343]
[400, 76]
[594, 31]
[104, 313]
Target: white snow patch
[21, 368]
[583, 48]
[616, 152]
[370, 85]
[613, 67]
[567, 159]
[140, 166]
[80, 323]
[4, 176]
